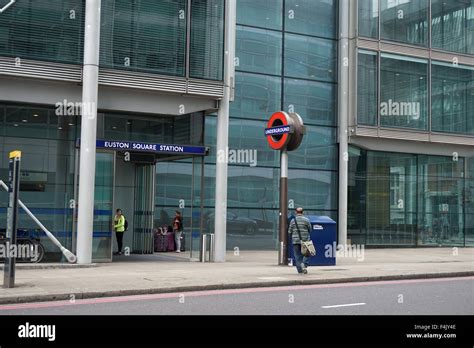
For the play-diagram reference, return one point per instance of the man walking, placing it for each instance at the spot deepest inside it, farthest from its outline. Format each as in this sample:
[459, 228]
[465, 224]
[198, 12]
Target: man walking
[301, 223]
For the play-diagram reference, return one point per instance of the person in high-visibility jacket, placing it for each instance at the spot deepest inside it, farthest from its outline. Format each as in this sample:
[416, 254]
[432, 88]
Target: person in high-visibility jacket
[119, 227]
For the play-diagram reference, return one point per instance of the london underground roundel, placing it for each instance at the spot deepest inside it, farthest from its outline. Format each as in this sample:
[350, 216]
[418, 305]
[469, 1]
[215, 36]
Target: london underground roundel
[278, 130]
[284, 131]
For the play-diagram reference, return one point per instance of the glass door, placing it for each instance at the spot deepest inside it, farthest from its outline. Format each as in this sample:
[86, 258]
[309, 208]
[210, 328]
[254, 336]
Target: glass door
[144, 209]
[103, 207]
[197, 207]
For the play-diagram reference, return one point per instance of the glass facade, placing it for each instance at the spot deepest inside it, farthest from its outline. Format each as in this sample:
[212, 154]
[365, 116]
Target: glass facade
[49, 30]
[285, 61]
[47, 143]
[406, 199]
[133, 39]
[404, 21]
[452, 98]
[408, 21]
[143, 35]
[367, 81]
[402, 199]
[452, 24]
[48, 167]
[368, 16]
[404, 93]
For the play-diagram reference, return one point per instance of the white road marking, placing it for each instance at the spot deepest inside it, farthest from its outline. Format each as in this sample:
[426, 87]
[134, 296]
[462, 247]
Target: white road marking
[345, 305]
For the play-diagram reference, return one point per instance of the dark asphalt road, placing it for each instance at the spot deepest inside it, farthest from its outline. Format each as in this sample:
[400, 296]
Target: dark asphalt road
[449, 296]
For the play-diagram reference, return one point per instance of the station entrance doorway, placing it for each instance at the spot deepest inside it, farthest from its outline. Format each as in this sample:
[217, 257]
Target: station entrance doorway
[148, 188]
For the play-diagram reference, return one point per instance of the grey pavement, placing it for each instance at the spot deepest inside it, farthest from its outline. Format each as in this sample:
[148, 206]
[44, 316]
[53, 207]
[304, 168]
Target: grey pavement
[442, 296]
[165, 273]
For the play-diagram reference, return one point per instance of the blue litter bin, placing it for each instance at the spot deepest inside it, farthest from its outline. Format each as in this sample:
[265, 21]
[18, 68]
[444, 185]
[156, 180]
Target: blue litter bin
[324, 236]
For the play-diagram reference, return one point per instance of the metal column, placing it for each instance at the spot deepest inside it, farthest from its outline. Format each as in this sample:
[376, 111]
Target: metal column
[343, 118]
[12, 218]
[220, 223]
[88, 132]
[283, 235]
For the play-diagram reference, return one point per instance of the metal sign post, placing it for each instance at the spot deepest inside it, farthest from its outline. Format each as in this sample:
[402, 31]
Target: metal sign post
[12, 218]
[285, 133]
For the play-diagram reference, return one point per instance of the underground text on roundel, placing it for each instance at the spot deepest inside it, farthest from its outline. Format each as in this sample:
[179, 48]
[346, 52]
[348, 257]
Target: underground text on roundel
[37, 331]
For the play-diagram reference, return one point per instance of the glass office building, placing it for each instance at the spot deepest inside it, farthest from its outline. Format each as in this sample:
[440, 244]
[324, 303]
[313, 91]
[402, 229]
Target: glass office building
[411, 170]
[415, 83]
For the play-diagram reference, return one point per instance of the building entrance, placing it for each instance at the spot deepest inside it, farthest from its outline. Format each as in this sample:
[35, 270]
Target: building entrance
[134, 193]
[136, 183]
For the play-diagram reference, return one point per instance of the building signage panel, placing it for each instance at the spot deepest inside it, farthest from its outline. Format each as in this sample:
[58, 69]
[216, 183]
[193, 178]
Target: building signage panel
[277, 130]
[151, 148]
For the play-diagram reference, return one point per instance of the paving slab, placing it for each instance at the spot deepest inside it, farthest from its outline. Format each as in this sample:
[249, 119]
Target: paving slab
[142, 274]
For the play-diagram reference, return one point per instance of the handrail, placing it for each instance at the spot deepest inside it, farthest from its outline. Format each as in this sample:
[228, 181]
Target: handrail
[69, 255]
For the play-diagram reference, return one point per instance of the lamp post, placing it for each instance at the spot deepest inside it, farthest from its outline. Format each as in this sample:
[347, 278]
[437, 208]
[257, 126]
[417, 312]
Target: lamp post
[284, 133]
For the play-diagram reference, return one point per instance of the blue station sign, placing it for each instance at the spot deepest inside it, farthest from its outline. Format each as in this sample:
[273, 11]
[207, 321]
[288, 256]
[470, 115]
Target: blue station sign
[277, 130]
[133, 146]
[151, 148]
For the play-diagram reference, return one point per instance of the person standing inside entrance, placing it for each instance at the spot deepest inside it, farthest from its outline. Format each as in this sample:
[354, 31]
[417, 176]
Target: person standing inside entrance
[119, 227]
[178, 230]
[299, 230]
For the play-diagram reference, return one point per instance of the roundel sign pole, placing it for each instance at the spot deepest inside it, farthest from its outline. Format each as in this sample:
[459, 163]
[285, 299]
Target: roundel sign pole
[284, 133]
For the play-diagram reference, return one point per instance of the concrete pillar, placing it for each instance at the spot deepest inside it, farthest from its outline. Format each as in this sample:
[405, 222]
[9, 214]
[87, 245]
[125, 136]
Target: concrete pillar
[343, 131]
[220, 223]
[88, 136]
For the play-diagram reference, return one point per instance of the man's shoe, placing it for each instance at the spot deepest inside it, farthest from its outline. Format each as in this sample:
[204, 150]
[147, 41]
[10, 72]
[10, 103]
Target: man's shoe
[303, 267]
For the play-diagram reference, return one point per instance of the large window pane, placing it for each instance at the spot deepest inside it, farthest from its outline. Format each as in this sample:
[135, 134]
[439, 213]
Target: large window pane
[453, 25]
[403, 92]
[441, 208]
[50, 30]
[406, 199]
[301, 16]
[367, 88]
[368, 18]
[391, 198]
[207, 39]
[46, 187]
[313, 190]
[452, 98]
[405, 21]
[314, 101]
[310, 58]
[357, 188]
[252, 187]
[246, 136]
[185, 129]
[469, 203]
[318, 151]
[260, 13]
[144, 35]
[258, 50]
[256, 96]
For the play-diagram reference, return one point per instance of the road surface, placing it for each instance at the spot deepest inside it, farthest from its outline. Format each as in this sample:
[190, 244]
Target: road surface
[448, 296]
